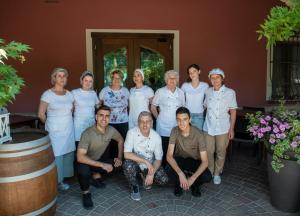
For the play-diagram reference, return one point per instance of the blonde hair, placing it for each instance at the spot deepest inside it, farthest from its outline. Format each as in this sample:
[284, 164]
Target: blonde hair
[119, 72]
[84, 74]
[54, 73]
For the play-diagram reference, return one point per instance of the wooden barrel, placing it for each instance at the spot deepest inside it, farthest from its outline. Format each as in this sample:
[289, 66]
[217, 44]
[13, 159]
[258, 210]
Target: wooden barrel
[28, 178]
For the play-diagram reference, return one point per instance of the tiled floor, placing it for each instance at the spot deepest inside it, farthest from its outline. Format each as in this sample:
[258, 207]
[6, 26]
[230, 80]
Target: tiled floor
[243, 191]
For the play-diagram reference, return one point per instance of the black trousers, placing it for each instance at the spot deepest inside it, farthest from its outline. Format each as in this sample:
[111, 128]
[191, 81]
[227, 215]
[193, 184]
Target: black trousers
[113, 145]
[165, 144]
[85, 171]
[189, 166]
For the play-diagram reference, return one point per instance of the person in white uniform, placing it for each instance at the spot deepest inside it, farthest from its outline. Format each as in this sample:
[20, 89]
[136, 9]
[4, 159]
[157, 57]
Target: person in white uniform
[194, 91]
[167, 99]
[55, 110]
[140, 98]
[85, 102]
[116, 97]
[221, 105]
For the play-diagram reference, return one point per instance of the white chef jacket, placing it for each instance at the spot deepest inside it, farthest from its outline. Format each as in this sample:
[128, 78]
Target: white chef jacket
[168, 103]
[218, 104]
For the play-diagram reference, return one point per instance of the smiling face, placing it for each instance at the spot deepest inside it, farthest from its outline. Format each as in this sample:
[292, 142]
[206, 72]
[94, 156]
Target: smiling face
[87, 83]
[116, 81]
[216, 81]
[145, 124]
[137, 78]
[102, 118]
[183, 121]
[194, 73]
[61, 79]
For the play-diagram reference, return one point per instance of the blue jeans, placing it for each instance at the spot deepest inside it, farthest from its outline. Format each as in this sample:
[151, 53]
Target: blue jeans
[197, 120]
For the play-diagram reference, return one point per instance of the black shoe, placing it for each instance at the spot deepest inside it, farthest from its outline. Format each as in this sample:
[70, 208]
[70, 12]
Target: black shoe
[178, 191]
[87, 201]
[97, 183]
[196, 191]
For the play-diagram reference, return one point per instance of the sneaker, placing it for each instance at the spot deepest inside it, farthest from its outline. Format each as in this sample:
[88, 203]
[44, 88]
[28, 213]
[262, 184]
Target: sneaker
[63, 186]
[178, 190]
[97, 183]
[135, 193]
[217, 180]
[87, 201]
[196, 191]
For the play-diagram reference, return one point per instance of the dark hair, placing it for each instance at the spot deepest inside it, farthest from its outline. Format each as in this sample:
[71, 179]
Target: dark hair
[188, 79]
[102, 107]
[183, 110]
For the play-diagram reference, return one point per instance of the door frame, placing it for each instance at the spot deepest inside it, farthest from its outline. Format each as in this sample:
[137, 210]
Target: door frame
[89, 46]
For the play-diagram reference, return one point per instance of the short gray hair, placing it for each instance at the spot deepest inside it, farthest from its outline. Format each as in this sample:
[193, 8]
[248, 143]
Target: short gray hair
[171, 72]
[145, 113]
[54, 73]
[84, 74]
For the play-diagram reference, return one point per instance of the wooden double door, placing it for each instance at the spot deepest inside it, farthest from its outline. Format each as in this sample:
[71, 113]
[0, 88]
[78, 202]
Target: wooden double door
[128, 51]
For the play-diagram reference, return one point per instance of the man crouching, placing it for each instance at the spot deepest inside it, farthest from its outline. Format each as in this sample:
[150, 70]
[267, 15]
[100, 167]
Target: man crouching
[143, 154]
[187, 155]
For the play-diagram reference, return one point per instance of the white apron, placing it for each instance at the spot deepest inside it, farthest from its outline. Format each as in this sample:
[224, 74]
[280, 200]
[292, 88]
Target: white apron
[61, 133]
[137, 103]
[81, 123]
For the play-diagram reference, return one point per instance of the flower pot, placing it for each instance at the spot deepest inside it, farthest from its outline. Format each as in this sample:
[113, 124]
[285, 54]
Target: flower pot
[285, 185]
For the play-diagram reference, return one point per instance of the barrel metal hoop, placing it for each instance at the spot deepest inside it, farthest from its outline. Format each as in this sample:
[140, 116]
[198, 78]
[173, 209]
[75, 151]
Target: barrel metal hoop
[27, 176]
[42, 210]
[24, 145]
[24, 153]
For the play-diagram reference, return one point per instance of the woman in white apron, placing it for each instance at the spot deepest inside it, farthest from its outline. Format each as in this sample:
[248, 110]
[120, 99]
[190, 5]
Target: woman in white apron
[85, 101]
[168, 99]
[55, 110]
[221, 105]
[140, 98]
[194, 91]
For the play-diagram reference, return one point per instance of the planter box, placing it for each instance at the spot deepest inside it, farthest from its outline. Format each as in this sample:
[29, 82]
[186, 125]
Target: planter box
[285, 185]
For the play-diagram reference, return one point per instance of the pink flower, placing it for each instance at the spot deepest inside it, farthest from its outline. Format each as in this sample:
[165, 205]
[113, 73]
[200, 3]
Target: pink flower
[272, 140]
[268, 118]
[275, 130]
[278, 136]
[294, 144]
[282, 127]
[262, 121]
[260, 135]
[268, 128]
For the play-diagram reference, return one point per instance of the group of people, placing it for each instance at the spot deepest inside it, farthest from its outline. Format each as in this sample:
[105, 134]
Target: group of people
[194, 124]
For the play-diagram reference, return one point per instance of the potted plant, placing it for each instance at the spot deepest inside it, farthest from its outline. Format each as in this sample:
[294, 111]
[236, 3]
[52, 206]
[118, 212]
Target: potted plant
[10, 82]
[280, 132]
[282, 23]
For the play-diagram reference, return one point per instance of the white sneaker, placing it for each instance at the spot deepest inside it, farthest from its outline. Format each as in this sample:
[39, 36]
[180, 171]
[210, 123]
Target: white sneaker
[63, 186]
[217, 180]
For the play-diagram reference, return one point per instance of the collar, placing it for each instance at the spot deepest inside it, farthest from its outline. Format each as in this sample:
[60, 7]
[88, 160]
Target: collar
[139, 133]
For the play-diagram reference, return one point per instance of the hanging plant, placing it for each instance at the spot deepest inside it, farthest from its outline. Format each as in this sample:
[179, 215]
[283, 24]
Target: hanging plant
[282, 23]
[10, 82]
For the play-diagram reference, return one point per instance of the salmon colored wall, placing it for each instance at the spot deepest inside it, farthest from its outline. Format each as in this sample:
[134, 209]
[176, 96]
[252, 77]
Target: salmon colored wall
[212, 34]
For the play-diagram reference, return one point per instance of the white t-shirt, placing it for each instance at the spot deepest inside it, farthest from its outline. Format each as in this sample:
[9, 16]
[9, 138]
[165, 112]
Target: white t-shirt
[149, 148]
[59, 122]
[194, 97]
[118, 102]
[84, 114]
[168, 103]
[138, 101]
[218, 104]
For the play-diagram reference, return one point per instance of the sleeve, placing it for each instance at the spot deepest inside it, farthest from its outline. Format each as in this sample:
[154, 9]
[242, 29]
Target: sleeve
[116, 135]
[158, 152]
[126, 93]
[128, 145]
[183, 87]
[173, 136]
[150, 92]
[202, 144]
[232, 101]
[46, 97]
[156, 98]
[71, 97]
[84, 141]
[96, 98]
[101, 94]
[182, 98]
[205, 98]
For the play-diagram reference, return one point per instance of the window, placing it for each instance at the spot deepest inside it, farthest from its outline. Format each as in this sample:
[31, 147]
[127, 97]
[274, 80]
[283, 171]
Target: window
[284, 75]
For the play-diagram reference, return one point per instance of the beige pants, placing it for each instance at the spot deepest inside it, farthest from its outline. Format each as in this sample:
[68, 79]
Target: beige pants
[216, 144]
